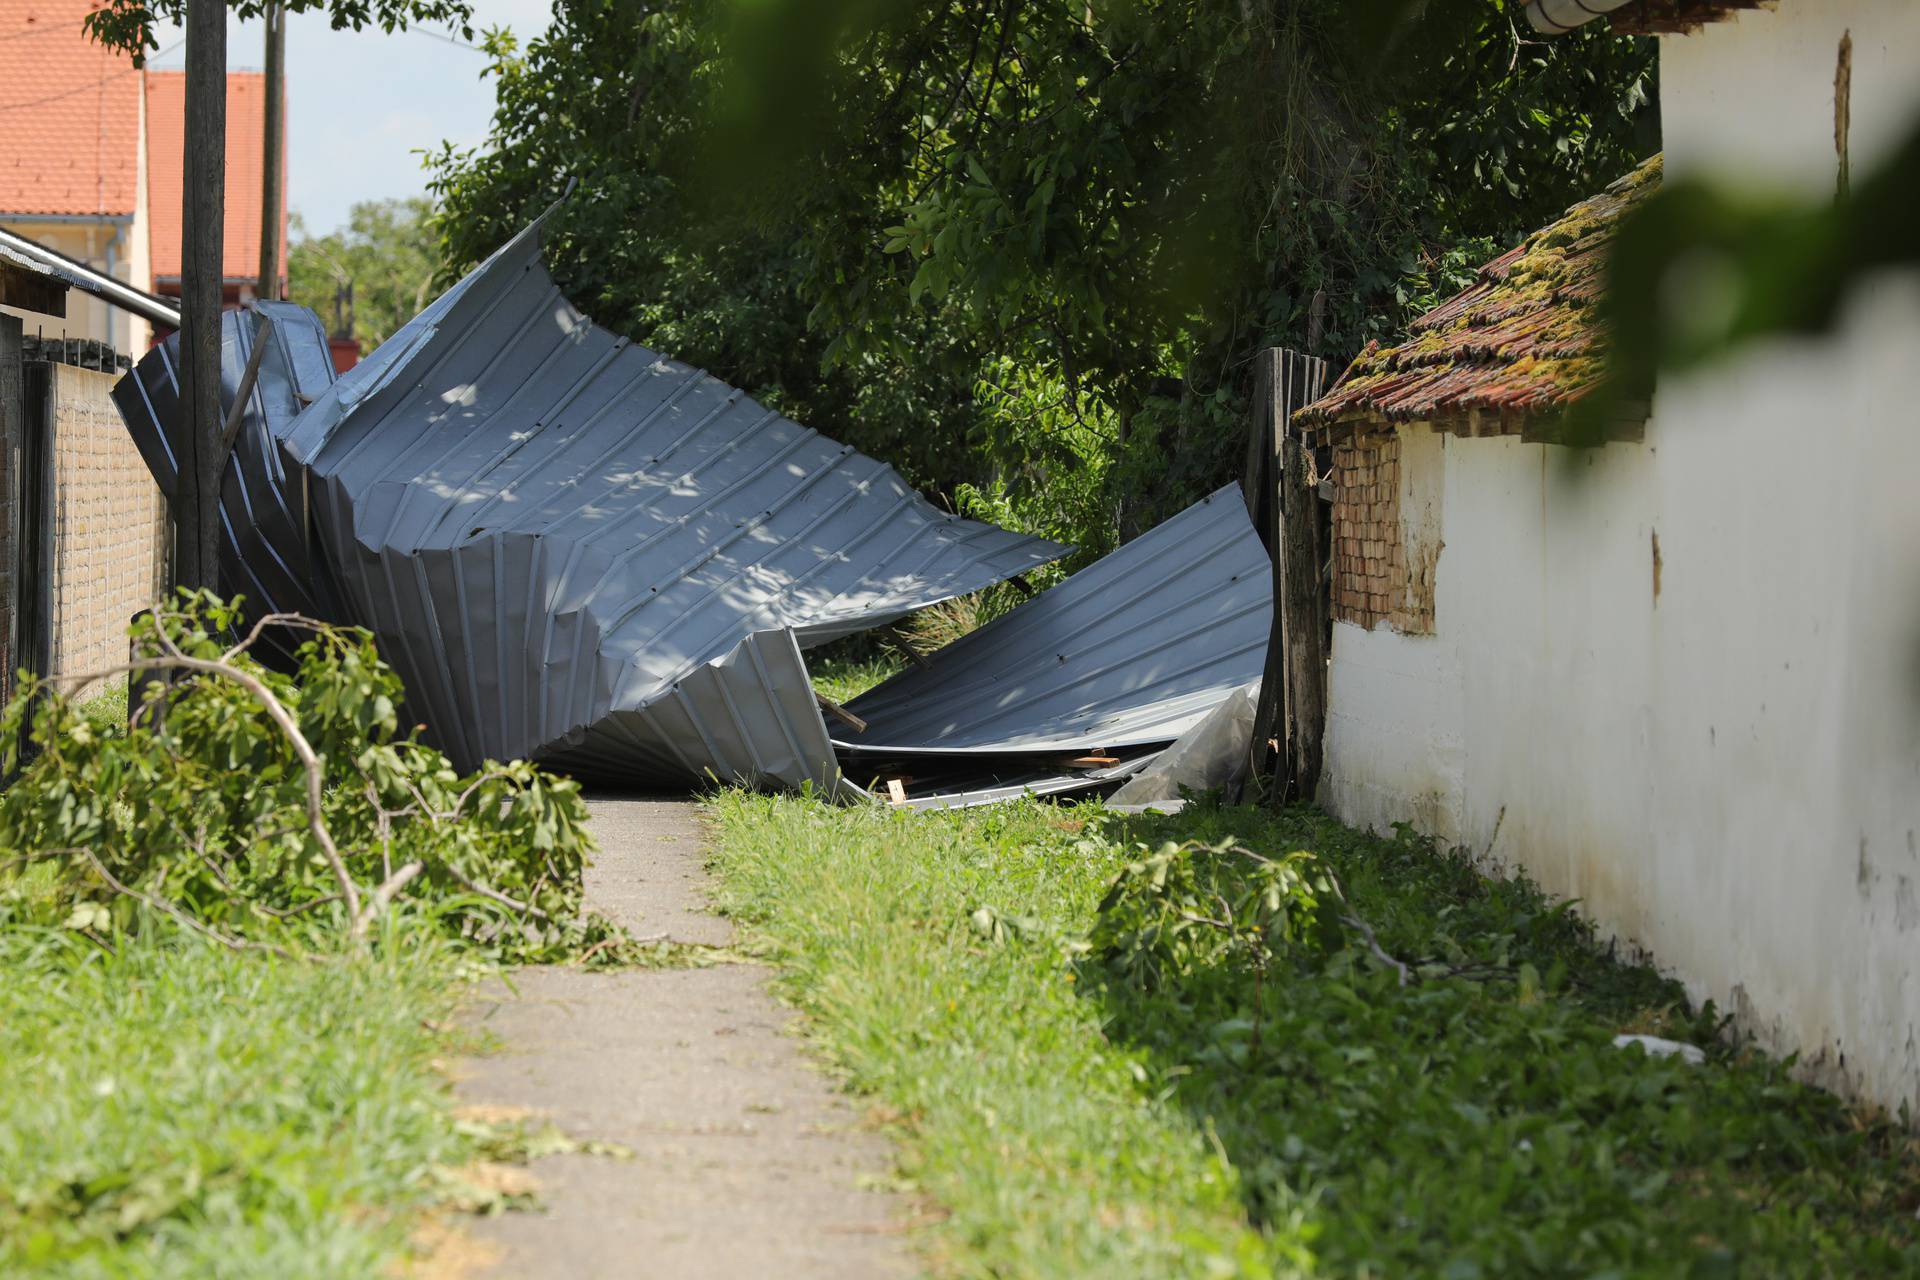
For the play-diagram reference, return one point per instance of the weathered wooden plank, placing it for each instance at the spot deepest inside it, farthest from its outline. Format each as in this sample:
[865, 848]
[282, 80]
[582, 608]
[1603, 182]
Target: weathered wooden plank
[1302, 601]
[1285, 507]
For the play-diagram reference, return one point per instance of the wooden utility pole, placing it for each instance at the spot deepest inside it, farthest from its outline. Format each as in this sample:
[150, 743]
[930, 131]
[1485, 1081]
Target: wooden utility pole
[196, 497]
[1291, 711]
[273, 153]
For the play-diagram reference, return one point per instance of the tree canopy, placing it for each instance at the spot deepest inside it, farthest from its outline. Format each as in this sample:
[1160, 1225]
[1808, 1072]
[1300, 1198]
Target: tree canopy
[128, 25]
[385, 254]
[1001, 244]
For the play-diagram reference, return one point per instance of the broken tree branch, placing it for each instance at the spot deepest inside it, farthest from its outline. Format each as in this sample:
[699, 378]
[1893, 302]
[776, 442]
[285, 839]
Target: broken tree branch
[839, 712]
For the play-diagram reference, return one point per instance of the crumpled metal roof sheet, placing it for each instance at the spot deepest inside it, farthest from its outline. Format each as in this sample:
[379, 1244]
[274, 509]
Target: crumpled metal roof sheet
[263, 549]
[1129, 651]
[576, 550]
[567, 544]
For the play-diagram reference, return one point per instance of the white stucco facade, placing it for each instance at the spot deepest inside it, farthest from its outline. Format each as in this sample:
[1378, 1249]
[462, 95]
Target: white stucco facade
[1679, 679]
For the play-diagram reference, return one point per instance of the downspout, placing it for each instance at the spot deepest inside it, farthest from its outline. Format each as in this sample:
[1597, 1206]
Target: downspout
[1556, 17]
[113, 255]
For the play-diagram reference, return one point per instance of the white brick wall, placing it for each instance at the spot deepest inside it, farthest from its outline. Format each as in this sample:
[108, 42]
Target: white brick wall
[109, 526]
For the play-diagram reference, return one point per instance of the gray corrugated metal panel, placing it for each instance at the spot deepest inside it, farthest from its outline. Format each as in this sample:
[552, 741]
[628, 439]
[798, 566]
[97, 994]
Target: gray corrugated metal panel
[1130, 650]
[545, 524]
[748, 717]
[263, 546]
[36, 257]
[1007, 779]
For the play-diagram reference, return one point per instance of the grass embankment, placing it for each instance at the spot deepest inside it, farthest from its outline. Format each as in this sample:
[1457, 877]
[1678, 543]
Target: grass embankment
[1475, 1122]
[174, 1108]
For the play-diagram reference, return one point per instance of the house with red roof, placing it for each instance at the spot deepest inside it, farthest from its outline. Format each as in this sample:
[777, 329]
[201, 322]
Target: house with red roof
[1674, 675]
[246, 126]
[91, 152]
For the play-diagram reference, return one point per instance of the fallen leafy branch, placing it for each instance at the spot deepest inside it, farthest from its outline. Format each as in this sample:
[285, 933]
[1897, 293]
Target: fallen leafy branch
[278, 810]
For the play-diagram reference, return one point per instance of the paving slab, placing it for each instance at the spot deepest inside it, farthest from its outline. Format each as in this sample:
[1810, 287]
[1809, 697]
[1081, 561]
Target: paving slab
[747, 1161]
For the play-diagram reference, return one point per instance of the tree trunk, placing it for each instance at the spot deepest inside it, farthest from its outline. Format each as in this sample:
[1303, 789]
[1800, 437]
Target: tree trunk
[196, 498]
[272, 151]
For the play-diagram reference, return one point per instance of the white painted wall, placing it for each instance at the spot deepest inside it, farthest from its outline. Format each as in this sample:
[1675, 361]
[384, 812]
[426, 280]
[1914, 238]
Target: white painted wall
[1729, 775]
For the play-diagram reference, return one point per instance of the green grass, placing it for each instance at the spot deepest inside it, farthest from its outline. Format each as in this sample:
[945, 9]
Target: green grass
[1474, 1123]
[842, 678]
[177, 1109]
[107, 709]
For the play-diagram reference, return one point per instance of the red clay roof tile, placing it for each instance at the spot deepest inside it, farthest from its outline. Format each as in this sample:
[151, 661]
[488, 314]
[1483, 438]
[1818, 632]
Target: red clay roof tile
[246, 130]
[1521, 341]
[1673, 17]
[69, 115]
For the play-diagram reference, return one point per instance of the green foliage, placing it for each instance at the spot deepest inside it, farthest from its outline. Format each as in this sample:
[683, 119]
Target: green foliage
[175, 1109]
[386, 252]
[128, 24]
[1192, 906]
[204, 805]
[1325, 1116]
[868, 215]
[844, 678]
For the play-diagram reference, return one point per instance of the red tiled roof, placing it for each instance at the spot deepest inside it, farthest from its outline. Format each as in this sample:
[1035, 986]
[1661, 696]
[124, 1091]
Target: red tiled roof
[1520, 342]
[69, 115]
[246, 130]
[1671, 17]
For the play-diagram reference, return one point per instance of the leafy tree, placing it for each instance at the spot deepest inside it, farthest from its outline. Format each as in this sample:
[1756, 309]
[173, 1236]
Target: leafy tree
[386, 253]
[865, 210]
[128, 24]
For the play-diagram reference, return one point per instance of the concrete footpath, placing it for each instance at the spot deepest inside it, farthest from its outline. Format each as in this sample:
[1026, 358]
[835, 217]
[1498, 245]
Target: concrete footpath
[746, 1160]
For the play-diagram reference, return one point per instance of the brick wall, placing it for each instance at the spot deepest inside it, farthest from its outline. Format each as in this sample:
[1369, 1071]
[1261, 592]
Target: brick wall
[109, 526]
[1375, 576]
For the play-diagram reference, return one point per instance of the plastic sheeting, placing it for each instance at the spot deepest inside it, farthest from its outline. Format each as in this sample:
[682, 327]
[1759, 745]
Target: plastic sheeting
[1213, 753]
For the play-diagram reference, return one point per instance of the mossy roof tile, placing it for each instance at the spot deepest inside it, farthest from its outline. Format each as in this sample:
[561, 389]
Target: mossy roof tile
[1521, 340]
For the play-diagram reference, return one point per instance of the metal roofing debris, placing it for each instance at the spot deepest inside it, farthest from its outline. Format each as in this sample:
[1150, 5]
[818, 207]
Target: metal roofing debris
[559, 537]
[1011, 778]
[1129, 651]
[264, 545]
[576, 550]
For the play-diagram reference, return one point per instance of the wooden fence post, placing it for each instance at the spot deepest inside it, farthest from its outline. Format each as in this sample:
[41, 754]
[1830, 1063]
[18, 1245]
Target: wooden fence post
[1291, 711]
[196, 494]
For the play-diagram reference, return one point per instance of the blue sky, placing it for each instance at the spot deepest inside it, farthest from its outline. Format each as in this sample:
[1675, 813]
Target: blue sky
[360, 104]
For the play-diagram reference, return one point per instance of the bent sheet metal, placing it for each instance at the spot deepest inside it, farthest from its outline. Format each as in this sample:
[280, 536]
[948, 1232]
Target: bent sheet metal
[576, 550]
[579, 551]
[1084, 684]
